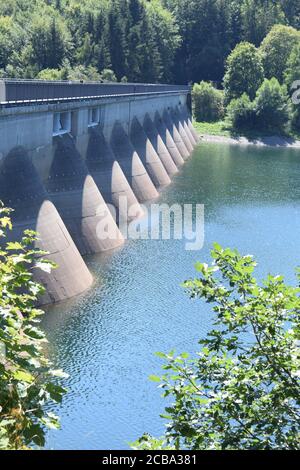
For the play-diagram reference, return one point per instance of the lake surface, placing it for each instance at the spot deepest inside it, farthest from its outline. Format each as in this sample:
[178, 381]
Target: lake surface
[106, 339]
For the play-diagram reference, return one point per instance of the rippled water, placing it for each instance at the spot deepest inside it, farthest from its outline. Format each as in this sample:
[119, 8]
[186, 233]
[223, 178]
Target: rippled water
[106, 339]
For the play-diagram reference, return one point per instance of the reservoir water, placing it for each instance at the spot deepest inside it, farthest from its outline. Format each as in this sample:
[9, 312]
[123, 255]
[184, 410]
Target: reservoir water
[106, 339]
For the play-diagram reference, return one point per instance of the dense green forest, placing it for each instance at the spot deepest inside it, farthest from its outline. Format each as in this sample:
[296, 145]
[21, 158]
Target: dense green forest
[136, 40]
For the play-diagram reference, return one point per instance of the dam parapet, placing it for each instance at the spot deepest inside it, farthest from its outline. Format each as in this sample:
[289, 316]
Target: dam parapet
[69, 150]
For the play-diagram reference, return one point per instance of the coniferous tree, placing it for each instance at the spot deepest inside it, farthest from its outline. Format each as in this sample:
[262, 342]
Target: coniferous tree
[244, 72]
[291, 9]
[157, 40]
[117, 39]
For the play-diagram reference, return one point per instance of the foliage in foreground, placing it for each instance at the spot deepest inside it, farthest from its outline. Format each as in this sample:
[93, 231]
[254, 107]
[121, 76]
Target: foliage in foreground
[27, 381]
[242, 390]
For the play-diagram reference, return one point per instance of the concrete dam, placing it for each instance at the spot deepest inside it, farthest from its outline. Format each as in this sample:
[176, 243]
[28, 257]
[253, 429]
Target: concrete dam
[68, 148]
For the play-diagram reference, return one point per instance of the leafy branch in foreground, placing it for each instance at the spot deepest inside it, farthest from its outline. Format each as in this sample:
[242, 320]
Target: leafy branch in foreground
[27, 381]
[242, 390]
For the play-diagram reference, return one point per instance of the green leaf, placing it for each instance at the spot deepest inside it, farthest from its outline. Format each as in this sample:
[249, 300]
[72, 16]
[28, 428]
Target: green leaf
[154, 378]
[23, 376]
[14, 246]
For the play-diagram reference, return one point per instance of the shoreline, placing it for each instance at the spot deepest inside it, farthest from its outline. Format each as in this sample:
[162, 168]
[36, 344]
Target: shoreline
[268, 141]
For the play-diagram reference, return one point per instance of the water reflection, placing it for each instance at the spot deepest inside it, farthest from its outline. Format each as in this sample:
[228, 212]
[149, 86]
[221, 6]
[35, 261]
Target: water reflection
[106, 338]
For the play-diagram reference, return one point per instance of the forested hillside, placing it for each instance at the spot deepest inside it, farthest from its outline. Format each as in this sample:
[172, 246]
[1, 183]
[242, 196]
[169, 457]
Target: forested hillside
[135, 40]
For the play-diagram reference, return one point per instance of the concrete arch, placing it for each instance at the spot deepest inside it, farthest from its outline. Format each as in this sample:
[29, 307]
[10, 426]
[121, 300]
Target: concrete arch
[159, 145]
[168, 140]
[148, 155]
[132, 165]
[184, 152]
[22, 189]
[79, 201]
[190, 124]
[178, 123]
[183, 118]
[109, 176]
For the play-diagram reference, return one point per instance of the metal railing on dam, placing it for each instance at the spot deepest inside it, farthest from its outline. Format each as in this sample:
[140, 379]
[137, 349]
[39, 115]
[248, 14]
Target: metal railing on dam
[22, 92]
[71, 151]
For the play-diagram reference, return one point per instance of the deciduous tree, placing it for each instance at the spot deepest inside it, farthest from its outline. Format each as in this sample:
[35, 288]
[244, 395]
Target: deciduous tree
[27, 381]
[242, 390]
[276, 49]
[244, 72]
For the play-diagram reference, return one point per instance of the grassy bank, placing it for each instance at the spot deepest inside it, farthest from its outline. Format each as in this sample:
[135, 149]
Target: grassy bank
[219, 128]
[224, 129]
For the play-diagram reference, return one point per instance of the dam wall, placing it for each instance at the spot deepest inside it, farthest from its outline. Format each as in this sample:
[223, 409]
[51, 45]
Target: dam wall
[68, 149]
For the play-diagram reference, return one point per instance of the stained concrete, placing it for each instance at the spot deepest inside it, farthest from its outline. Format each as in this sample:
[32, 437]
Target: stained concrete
[185, 115]
[148, 155]
[159, 146]
[168, 140]
[22, 189]
[184, 152]
[78, 200]
[178, 123]
[132, 149]
[188, 133]
[132, 165]
[184, 121]
[109, 176]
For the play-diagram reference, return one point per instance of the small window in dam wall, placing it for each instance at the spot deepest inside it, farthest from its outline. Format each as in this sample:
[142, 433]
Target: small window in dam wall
[94, 116]
[61, 123]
